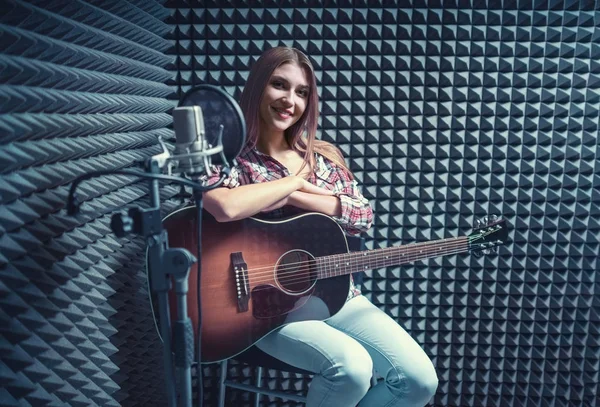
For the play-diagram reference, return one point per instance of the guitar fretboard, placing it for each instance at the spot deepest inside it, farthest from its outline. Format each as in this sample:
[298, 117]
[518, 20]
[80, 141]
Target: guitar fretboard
[348, 263]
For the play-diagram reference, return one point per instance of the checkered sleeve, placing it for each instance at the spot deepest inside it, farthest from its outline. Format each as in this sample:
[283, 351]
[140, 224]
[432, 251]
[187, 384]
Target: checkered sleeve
[357, 215]
[232, 181]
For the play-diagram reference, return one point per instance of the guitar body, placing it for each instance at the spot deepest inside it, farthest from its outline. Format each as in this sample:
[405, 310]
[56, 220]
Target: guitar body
[280, 288]
[259, 275]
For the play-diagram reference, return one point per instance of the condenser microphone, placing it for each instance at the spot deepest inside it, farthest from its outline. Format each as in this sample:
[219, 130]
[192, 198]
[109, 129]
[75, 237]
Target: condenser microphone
[192, 150]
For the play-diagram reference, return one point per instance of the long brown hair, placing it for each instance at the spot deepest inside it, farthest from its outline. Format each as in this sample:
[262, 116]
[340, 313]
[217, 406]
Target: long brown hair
[302, 135]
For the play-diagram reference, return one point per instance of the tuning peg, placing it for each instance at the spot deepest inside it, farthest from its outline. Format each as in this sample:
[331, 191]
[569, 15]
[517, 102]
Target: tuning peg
[483, 222]
[491, 250]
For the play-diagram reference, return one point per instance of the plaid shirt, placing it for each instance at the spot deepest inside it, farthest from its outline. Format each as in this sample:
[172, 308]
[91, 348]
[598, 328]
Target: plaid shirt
[254, 167]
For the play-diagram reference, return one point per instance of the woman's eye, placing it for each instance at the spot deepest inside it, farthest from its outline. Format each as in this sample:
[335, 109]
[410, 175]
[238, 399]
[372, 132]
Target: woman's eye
[303, 93]
[277, 84]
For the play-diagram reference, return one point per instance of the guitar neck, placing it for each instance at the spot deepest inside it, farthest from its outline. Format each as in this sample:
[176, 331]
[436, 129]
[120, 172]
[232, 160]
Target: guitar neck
[348, 263]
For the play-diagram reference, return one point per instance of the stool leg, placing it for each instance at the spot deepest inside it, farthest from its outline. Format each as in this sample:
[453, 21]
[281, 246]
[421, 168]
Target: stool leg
[222, 378]
[258, 384]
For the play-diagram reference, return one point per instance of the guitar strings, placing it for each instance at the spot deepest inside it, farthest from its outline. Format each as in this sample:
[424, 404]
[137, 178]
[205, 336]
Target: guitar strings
[252, 273]
[310, 264]
[354, 256]
[409, 250]
[304, 279]
[298, 267]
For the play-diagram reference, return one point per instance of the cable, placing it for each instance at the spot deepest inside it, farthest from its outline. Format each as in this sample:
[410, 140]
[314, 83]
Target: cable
[198, 287]
[73, 203]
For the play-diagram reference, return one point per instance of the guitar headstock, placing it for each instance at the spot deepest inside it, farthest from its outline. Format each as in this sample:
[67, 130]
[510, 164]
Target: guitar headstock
[489, 233]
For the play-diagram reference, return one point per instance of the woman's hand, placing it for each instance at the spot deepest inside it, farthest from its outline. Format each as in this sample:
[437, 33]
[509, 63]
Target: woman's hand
[292, 199]
[313, 189]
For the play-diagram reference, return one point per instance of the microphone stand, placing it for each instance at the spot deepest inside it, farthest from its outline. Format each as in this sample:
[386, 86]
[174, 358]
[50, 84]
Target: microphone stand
[199, 373]
[164, 264]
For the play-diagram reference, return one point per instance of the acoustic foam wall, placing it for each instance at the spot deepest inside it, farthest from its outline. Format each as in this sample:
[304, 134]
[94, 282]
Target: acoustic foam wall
[448, 111]
[82, 88]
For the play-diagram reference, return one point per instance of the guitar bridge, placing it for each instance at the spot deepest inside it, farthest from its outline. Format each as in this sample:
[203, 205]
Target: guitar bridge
[242, 285]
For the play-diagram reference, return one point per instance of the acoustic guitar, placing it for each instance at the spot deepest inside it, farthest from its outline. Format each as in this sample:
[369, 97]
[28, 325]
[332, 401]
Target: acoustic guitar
[258, 275]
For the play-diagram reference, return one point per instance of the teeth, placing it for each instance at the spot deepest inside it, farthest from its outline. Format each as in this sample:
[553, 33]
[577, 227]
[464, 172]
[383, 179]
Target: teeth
[282, 112]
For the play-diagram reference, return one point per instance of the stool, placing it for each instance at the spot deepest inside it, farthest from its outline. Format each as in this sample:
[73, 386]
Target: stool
[253, 356]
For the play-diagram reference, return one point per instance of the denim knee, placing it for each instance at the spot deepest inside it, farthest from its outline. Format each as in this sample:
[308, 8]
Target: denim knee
[423, 388]
[352, 374]
[416, 386]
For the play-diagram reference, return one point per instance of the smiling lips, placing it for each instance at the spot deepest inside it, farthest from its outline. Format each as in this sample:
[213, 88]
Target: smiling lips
[283, 113]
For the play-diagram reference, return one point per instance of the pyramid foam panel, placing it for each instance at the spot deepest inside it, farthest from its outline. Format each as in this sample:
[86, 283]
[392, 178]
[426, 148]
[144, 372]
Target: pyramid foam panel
[447, 111]
[82, 88]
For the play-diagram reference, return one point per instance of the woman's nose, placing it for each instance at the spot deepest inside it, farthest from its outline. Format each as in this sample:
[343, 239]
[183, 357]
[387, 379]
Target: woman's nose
[288, 98]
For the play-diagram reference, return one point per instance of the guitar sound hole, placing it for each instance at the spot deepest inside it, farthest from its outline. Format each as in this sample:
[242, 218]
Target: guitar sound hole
[296, 271]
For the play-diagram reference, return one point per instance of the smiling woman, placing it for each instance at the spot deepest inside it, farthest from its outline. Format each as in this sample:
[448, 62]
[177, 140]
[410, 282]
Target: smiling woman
[283, 104]
[284, 170]
[284, 98]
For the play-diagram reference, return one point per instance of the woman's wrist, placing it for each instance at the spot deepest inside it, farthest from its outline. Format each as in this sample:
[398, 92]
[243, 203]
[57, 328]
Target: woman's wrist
[295, 181]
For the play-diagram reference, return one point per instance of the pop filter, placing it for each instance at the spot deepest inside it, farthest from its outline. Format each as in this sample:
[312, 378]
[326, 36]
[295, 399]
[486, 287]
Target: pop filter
[219, 108]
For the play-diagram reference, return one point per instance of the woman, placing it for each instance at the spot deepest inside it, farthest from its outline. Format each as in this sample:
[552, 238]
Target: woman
[282, 170]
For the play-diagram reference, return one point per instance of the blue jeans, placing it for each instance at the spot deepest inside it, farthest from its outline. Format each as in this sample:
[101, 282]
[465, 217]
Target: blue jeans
[342, 352]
